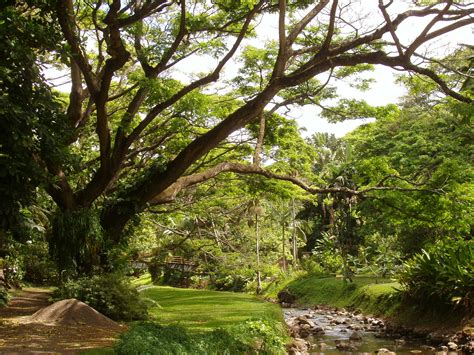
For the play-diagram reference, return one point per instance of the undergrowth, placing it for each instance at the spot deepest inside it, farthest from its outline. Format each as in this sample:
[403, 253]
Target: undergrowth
[110, 294]
[3, 297]
[252, 336]
[371, 296]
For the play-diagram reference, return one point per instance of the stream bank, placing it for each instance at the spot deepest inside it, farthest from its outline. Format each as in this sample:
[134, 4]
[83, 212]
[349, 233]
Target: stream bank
[327, 330]
[397, 326]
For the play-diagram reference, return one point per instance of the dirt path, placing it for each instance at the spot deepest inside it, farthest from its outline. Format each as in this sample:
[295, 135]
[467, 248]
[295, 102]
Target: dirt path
[19, 336]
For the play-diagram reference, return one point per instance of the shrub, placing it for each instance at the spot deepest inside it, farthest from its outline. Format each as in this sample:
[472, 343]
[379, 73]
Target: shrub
[312, 267]
[152, 338]
[443, 273]
[110, 294]
[3, 297]
[257, 335]
[38, 266]
[235, 283]
[236, 280]
[264, 335]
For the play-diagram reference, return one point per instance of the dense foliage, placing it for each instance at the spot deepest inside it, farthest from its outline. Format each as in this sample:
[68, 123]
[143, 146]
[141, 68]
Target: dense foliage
[3, 297]
[150, 158]
[258, 335]
[110, 294]
[142, 125]
[443, 274]
[31, 118]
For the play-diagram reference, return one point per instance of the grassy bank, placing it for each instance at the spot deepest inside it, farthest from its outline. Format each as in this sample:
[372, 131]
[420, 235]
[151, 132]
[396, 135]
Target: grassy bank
[371, 296]
[208, 322]
[203, 310]
[366, 294]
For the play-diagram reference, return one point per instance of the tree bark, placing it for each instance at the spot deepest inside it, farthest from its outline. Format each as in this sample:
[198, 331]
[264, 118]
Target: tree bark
[257, 235]
[293, 238]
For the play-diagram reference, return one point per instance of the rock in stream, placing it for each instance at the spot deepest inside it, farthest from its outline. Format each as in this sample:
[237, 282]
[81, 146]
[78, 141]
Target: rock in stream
[325, 330]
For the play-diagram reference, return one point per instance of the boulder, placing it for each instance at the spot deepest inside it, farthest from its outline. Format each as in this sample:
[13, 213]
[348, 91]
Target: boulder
[286, 296]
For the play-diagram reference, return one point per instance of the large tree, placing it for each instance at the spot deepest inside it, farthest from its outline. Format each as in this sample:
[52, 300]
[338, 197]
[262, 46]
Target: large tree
[140, 136]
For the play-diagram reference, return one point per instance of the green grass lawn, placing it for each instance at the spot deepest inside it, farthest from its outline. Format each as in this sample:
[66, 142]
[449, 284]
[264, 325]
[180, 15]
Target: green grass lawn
[203, 310]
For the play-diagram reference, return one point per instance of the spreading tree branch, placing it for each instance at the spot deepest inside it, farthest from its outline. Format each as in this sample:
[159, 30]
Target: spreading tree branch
[184, 182]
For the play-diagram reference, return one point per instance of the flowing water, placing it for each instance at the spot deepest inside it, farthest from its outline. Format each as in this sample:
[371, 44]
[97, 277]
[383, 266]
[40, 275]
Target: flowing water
[336, 334]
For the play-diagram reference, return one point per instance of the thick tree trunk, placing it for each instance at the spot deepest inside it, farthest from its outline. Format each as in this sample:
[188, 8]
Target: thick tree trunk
[293, 238]
[259, 276]
[283, 242]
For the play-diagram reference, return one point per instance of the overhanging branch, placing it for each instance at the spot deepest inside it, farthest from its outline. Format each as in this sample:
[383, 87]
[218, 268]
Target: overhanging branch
[184, 182]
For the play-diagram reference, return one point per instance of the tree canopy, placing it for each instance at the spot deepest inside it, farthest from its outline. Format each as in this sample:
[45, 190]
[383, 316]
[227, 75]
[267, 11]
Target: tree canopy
[139, 126]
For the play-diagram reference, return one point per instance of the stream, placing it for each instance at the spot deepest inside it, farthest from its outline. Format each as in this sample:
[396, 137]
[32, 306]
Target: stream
[330, 331]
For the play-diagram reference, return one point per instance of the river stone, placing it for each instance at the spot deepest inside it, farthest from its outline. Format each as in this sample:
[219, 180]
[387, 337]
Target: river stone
[317, 330]
[468, 348]
[399, 341]
[294, 331]
[377, 323]
[428, 348]
[300, 345]
[385, 351]
[443, 348]
[355, 336]
[354, 327]
[303, 321]
[322, 346]
[436, 337]
[344, 345]
[304, 333]
[452, 346]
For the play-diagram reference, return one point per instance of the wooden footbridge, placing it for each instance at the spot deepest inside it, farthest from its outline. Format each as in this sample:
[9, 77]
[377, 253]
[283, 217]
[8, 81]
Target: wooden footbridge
[171, 262]
[179, 263]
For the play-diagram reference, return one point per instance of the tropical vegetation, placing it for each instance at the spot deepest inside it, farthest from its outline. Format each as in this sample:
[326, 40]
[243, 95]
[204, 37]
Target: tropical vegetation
[173, 152]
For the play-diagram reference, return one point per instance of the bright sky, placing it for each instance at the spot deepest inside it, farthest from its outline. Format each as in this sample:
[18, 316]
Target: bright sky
[382, 92]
